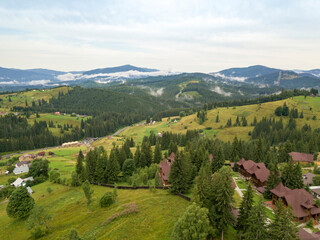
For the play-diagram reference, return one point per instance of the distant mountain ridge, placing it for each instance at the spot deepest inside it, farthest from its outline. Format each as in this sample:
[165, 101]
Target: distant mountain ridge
[258, 75]
[262, 75]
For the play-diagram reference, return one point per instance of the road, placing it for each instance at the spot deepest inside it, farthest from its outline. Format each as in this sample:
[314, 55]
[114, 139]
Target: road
[48, 148]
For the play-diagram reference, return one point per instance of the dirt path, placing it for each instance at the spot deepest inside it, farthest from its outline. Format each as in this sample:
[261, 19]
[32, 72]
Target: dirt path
[5, 201]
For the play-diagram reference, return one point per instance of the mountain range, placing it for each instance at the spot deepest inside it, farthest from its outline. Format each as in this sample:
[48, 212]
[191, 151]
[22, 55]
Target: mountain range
[256, 79]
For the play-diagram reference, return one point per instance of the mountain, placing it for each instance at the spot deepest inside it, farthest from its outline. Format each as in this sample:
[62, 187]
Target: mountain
[248, 72]
[124, 68]
[264, 76]
[47, 78]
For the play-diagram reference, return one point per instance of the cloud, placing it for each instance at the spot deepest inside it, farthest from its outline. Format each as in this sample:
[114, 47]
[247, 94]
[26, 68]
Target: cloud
[39, 82]
[181, 35]
[239, 79]
[221, 91]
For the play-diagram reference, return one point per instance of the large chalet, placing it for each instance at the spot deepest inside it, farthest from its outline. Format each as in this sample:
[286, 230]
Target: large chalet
[165, 167]
[257, 172]
[304, 158]
[303, 206]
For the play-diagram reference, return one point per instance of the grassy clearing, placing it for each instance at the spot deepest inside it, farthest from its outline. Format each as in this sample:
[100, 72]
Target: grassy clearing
[19, 98]
[155, 220]
[310, 107]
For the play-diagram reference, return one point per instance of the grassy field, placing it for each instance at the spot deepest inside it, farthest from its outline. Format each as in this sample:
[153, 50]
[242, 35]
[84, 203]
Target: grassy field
[155, 220]
[210, 128]
[19, 98]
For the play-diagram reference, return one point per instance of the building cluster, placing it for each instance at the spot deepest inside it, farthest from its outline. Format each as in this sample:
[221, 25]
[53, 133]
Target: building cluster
[302, 202]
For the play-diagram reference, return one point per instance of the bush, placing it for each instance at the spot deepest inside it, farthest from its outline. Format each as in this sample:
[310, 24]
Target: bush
[11, 180]
[20, 203]
[54, 176]
[38, 180]
[10, 168]
[128, 168]
[107, 200]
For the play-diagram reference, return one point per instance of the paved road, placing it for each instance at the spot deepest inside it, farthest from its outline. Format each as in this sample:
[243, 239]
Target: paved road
[119, 131]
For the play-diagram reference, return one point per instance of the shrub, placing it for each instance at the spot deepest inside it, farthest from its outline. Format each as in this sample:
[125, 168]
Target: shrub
[11, 180]
[107, 200]
[20, 203]
[10, 169]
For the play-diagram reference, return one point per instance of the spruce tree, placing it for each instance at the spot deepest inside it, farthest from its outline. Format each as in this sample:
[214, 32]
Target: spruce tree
[221, 211]
[292, 175]
[218, 160]
[273, 179]
[180, 172]
[112, 169]
[100, 168]
[137, 157]
[245, 208]
[91, 159]
[283, 227]
[203, 187]
[259, 151]
[257, 223]
[157, 155]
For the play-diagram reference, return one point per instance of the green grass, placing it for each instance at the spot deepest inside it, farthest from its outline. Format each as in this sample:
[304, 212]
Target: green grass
[157, 214]
[242, 184]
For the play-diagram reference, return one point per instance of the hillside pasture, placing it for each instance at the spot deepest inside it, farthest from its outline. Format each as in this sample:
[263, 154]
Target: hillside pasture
[157, 214]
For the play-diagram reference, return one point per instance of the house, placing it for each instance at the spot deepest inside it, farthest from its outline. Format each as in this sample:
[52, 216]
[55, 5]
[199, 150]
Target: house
[3, 113]
[70, 144]
[29, 190]
[41, 154]
[17, 183]
[23, 163]
[165, 167]
[57, 113]
[21, 182]
[302, 203]
[304, 235]
[308, 179]
[315, 191]
[21, 169]
[257, 172]
[1, 187]
[304, 158]
[27, 157]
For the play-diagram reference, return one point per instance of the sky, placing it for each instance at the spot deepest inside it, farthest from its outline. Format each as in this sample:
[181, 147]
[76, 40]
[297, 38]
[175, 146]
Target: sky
[189, 36]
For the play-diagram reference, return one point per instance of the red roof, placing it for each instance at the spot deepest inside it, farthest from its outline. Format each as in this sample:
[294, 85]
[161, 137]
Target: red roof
[301, 157]
[298, 199]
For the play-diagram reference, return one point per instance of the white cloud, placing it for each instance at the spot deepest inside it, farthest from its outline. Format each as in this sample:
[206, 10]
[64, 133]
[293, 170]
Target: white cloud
[9, 82]
[220, 91]
[39, 82]
[239, 79]
[181, 35]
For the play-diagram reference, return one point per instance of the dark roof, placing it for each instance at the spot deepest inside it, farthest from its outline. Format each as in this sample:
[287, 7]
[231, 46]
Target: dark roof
[304, 235]
[308, 178]
[257, 169]
[317, 191]
[23, 163]
[298, 199]
[165, 168]
[171, 157]
[280, 190]
[261, 189]
[301, 157]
